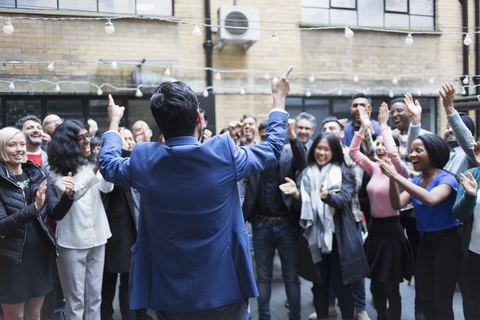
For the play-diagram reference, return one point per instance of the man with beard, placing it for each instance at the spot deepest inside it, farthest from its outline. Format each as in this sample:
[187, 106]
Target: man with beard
[249, 129]
[32, 128]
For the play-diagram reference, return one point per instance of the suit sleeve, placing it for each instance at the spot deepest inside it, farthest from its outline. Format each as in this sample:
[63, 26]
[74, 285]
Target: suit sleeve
[299, 161]
[113, 167]
[251, 159]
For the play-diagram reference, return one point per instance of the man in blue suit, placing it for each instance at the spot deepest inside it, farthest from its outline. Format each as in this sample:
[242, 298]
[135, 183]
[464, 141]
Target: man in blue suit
[191, 259]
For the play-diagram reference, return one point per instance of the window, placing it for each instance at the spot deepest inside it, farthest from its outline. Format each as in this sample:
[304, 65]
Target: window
[149, 7]
[322, 107]
[396, 14]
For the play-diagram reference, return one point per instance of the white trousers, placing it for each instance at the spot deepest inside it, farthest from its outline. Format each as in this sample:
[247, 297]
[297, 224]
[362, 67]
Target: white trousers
[81, 275]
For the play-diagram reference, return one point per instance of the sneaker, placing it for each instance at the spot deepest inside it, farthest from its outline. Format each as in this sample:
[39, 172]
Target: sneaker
[332, 311]
[362, 315]
[313, 316]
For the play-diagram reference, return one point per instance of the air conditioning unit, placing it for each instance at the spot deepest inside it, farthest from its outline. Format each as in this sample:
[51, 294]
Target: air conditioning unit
[231, 17]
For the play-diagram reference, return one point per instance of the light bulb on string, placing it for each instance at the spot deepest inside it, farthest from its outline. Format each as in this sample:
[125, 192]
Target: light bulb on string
[419, 93]
[395, 81]
[467, 40]
[114, 65]
[57, 88]
[311, 79]
[11, 86]
[99, 91]
[138, 93]
[218, 76]
[308, 93]
[355, 79]
[465, 80]
[274, 38]
[196, 33]
[8, 27]
[242, 91]
[339, 92]
[409, 40]
[109, 28]
[167, 73]
[348, 33]
[205, 93]
[390, 94]
[464, 92]
[266, 77]
[431, 81]
[51, 67]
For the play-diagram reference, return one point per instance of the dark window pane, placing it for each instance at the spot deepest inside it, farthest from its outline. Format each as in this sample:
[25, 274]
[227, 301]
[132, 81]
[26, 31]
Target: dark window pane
[17, 109]
[37, 4]
[396, 5]
[98, 112]
[67, 109]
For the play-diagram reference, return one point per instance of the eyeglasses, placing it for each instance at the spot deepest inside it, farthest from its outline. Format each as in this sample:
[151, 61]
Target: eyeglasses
[396, 111]
[83, 137]
[59, 121]
[304, 128]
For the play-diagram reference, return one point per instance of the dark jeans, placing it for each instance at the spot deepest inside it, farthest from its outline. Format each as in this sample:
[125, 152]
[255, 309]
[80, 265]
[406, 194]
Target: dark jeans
[108, 294]
[473, 276]
[284, 238]
[438, 262]
[330, 274]
[234, 311]
[387, 291]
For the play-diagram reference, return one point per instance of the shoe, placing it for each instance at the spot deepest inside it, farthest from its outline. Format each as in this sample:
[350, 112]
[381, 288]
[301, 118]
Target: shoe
[332, 311]
[419, 315]
[286, 304]
[59, 315]
[362, 315]
[313, 316]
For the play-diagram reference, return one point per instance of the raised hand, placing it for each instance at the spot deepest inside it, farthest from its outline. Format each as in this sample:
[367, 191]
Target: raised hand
[476, 152]
[364, 119]
[447, 97]
[387, 167]
[234, 127]
[323, 192]
[291, 129]
[383, 115]
[280, 89]
[469, 184]
[290, 187]
[40, 195]
[115, 113]
[69, 184]
[207, 134]
[415, 109]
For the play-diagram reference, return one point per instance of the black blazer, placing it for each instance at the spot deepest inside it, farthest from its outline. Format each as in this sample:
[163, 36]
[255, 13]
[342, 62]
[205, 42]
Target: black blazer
[292, 160]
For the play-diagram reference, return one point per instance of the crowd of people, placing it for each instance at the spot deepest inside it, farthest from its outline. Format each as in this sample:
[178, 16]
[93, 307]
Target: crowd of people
[74, 207]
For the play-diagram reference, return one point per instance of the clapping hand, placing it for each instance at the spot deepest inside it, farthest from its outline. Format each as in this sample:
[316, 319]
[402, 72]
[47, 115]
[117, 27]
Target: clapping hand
[234, 127]
[40, 195]
[415, 109]
[290, 187]
[69, 184]
[387, 167]
[469, 184]
[383, 115]
[323, 192]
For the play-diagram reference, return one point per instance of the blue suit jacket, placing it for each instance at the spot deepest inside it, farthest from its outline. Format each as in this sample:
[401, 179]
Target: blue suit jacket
[192, 249]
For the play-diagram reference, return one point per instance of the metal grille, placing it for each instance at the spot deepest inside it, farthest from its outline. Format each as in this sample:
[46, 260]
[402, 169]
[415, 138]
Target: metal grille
[236, 19]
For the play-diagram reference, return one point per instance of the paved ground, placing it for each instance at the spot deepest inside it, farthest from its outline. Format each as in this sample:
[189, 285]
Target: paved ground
[279, 312]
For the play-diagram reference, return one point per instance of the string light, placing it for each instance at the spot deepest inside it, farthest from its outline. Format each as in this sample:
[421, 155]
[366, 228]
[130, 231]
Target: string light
[109, 28]
[167, 72]
[196, 33]
[57, 88]
[464, 92]
[390, 94]
[311, 79]
[138, 93]
[355, 79]
[11, 86]
[308, 93]
[8, 27]
[218, 76]
[395, 81]
[339, 92]
[431, 81]
[465, 80]
[99, 91]
[274, 38]
[266, 77]
[419, 93]
[409, 40]
[205, 93]
[467, 41]
[348, 33]
[242, 91]
[51, 67]
[114, 65]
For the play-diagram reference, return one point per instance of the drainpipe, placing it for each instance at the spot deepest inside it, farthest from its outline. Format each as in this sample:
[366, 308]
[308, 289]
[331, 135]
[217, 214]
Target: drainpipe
[465, 48]
[208, 45]
[476, 80]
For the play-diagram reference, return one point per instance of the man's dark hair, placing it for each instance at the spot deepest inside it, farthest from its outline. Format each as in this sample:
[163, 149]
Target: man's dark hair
[63, 152]
[263, 125]
[174, 107]
[361, 95]
[95, 141]
[437, 149]
[332, 119]
[401, 100]
[203, 112]
[334, 142]
[468, 121]
[19, 124]
[249, 116]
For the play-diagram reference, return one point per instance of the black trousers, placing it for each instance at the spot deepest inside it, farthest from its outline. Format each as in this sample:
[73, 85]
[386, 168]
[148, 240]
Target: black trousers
[473, 277]
[108, 294]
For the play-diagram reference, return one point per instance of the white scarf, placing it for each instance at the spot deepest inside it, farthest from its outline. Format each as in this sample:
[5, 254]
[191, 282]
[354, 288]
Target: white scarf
[316, 216]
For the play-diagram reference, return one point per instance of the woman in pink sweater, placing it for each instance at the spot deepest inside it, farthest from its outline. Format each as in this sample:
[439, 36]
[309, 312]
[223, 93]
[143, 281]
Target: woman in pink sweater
[388, 252]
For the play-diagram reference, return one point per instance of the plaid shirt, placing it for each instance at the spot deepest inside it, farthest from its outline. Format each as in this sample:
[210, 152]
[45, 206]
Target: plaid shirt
[358, 173]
